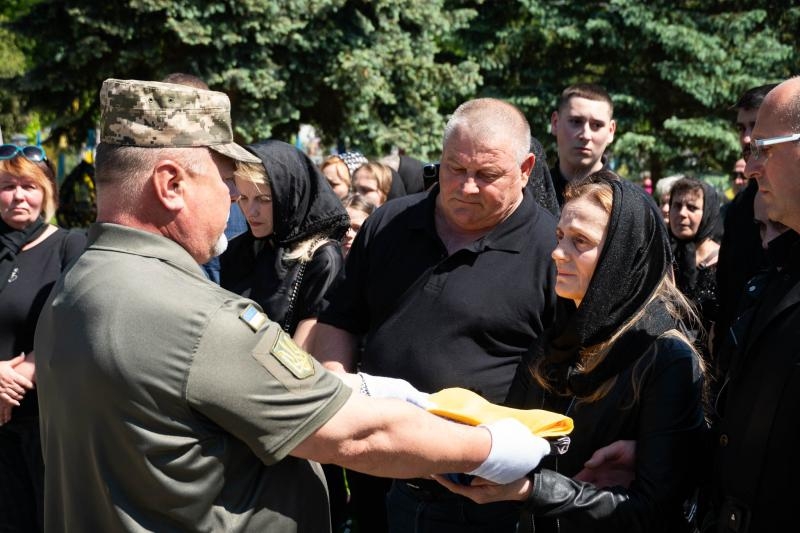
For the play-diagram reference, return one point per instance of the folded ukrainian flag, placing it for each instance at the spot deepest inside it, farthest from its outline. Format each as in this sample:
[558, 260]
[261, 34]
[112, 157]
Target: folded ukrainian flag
[465, 406]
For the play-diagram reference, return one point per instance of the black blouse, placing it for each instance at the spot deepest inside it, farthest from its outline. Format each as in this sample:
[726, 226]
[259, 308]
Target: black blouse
[22, 299]
[273, 283]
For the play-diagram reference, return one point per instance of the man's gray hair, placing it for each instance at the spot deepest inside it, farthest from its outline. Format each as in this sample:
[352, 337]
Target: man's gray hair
[125, 169]
[490, 118]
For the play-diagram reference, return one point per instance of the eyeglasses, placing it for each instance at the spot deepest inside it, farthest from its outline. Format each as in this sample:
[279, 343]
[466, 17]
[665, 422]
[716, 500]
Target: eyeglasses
[757, 144]
[31, 153]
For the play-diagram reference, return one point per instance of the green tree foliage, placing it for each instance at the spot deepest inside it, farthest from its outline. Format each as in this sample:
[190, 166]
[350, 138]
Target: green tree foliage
[12, 64]
[372, 74]
[673, 68]
[363, 72]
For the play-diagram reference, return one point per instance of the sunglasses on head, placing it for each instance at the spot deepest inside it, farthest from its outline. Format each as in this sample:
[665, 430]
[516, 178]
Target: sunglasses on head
[31, 153]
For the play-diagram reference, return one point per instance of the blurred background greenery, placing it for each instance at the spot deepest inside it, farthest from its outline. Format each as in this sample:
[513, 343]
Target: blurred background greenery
[373, 75]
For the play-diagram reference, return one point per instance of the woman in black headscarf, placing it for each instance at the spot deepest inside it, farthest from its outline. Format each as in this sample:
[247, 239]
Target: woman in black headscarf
[291, 256]
[694, 224]
[619, 365]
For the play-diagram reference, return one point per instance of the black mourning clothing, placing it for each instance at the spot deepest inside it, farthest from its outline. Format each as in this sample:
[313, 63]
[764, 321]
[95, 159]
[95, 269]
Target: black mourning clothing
[441, 321]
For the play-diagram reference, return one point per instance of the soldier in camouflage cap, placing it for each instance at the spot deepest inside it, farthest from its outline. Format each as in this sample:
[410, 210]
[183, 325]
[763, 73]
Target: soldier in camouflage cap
[189, 409]
[155, 114]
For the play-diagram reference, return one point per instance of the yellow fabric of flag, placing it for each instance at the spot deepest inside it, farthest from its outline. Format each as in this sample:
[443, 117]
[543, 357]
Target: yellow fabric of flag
[462, 405]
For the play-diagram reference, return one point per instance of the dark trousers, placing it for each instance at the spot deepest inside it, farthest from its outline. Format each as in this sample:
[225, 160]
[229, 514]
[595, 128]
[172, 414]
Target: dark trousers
[21, 477]
[368, 501]
[337, 492]
[430, 508]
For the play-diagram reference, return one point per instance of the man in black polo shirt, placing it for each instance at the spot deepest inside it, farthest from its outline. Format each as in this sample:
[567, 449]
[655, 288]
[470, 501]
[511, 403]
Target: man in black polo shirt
[450, 288]
[584, 126]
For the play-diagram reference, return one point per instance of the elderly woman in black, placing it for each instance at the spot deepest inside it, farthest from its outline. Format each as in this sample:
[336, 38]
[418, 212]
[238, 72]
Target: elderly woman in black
[619, 365]
[694, 223]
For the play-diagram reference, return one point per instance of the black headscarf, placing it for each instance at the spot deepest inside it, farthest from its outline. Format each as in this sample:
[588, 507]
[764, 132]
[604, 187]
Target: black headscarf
[633, 262]
[11, 243]
[540, 181]
[303, 203]
[396, 187]
[410, 170]
[685, 251]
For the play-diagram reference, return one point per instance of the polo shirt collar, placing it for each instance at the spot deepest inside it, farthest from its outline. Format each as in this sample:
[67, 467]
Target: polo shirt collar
[504, 236]
[124, 239]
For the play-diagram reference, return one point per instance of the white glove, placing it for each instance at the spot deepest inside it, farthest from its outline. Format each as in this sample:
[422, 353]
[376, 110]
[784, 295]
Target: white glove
[400, 389]
[515, 452]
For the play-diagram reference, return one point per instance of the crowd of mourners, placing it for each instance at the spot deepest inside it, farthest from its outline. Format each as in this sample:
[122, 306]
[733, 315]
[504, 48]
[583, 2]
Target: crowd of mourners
[247, 340]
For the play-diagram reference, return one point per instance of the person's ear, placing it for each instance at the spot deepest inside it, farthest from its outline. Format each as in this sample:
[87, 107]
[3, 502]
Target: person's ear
[527, 167]
[612, 127]
[169, 183]
[554, 122]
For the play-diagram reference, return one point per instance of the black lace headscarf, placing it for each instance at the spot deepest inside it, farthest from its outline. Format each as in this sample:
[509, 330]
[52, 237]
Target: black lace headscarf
[631, 266]
[540, 181]
[303, 203]
[685, 251]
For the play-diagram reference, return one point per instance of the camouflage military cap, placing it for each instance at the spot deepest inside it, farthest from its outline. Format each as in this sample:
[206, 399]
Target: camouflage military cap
[155, 114]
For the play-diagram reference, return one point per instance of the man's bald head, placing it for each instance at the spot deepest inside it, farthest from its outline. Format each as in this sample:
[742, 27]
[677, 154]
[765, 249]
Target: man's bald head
[490, 118]
[786, 101]
[776, 164]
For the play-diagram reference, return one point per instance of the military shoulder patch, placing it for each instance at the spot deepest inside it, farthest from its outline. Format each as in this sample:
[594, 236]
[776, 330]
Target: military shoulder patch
[253, 317]
[296, 361]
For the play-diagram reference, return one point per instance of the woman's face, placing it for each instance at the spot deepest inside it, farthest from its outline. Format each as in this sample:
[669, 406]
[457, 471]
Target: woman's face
[581, 233]
[20, 200]
[255, 199]
[339, 186]
[367, 186]
[357, 218]
[685, 213]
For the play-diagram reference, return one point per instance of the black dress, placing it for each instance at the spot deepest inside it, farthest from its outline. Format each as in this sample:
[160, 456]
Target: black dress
[21, 300]
[255, 269]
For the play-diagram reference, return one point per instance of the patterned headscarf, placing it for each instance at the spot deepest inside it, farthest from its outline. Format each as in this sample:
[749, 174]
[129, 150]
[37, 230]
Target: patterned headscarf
[353, 160]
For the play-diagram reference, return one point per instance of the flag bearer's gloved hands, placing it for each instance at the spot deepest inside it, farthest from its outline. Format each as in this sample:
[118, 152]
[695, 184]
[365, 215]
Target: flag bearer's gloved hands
[400, 389]
[515, 452]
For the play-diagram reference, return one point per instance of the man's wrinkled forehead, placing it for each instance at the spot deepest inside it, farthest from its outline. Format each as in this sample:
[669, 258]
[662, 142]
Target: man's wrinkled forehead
[486, 144]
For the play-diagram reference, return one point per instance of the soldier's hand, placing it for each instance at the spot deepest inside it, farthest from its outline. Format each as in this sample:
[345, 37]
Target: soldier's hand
[515, 452]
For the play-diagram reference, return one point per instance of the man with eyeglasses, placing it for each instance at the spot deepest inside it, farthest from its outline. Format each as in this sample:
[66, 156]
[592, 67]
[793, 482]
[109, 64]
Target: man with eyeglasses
[756, 463]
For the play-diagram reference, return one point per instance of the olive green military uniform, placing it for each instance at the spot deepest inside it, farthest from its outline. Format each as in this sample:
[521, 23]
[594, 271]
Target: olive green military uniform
[170, 404]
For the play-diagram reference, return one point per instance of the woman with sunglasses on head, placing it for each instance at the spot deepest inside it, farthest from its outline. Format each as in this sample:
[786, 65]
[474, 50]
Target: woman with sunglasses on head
[619, 364]
[33, 253]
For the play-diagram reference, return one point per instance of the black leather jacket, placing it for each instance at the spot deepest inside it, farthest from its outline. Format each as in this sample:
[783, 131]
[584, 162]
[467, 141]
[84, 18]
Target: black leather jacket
[665, 419]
